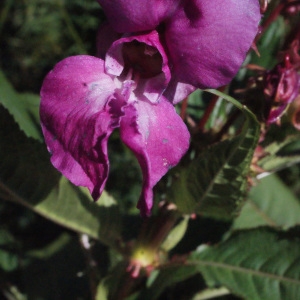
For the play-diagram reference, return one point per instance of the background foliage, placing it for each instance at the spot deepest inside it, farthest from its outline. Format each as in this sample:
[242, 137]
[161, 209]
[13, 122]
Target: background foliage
[235, 231]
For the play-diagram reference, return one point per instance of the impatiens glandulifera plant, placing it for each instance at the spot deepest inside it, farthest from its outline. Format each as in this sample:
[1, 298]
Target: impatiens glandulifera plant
[216, 211]
[167, 49]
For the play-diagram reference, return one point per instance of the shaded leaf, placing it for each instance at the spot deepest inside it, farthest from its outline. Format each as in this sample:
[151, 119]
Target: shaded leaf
[167, 277]
[8, 261]
[28, 178]
[214, 184]
[24, 108]
[25, 167]
[58, 277]
[277, 157]
[50, 249]
[271, 203]
[258, 264]
[8, 245]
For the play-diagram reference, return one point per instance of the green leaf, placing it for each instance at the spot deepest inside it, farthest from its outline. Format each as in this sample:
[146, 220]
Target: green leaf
[175, 235]
[71, 207]
[269, 44]
[102, 291]
[8, 261]
[271, 203]
[277, 157]
[28, 178]
[257, 264]
[214, 184]
[52, 248]
[25, 168]
[24, 108]
[166, 277]
[11, 292]
[195, 104]
[211, 293]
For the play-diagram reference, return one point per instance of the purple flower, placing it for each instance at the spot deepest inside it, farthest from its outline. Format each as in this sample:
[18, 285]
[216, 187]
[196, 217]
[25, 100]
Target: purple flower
[158, 53]
[84, 99]
[206, 41]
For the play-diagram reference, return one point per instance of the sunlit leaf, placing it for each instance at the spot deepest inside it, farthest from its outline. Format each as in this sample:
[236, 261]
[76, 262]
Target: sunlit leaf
[175, 235]
[257, 264]
[24, 108]
[211, 293]
[271, 203]
[214, 184]
[102, 292]
[72, 208]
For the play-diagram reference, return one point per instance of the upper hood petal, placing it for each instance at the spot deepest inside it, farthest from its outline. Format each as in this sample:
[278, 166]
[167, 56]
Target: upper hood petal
[141, 15]
[208, 40]
[106, 35]
[158, 137]
[77, 119]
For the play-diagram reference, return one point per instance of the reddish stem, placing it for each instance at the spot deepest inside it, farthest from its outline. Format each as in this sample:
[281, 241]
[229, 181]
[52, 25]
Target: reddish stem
[209, 109]
[274, 14]
[184, 108]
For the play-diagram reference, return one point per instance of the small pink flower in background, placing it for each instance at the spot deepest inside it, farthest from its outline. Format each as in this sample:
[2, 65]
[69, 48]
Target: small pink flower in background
[281, 87]
[158, 53]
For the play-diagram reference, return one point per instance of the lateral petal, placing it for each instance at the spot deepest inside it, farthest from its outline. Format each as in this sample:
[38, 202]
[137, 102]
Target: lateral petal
[177, 91]
[208, 40]
[78, 113]
[158, 138]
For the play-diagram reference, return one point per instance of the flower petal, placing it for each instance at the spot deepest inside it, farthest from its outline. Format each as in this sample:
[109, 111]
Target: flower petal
[133, 15]
[177, 91]
[275, 113]
[158, 137]
[77, 115]
[208, 40]
[153, 86]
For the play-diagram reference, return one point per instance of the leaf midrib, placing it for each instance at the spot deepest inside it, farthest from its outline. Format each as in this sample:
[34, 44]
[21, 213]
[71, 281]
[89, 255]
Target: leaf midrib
[244, 271]
[212, 182]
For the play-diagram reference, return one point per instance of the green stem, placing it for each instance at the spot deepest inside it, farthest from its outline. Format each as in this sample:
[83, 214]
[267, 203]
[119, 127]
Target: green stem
[155, 229]
[91, 264]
